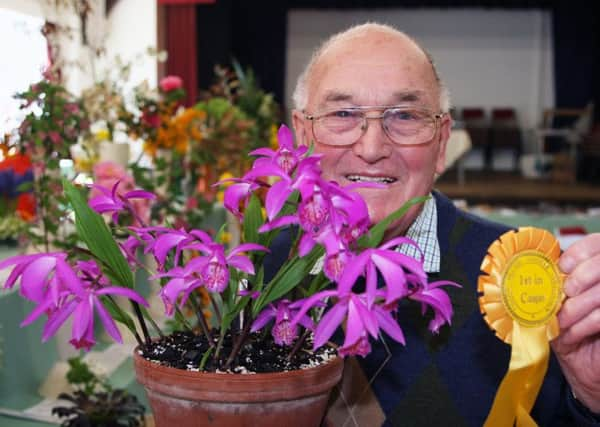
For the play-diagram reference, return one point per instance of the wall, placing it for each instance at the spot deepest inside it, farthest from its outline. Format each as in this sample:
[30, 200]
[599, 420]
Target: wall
[486, 57]
[131, 30]
[29, 7]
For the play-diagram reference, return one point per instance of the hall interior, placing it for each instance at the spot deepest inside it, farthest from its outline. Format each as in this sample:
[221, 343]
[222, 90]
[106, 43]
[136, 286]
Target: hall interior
[524, 148]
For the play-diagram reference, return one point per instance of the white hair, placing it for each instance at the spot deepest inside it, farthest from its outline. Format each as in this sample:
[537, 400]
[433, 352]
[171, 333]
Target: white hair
[300, 95]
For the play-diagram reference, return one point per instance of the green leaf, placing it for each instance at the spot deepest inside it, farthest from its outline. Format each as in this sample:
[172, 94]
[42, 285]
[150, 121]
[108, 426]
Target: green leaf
[92, 229]
[232, 314]
[287, 278]
[119, 315]
[375, 235]
[252, 220]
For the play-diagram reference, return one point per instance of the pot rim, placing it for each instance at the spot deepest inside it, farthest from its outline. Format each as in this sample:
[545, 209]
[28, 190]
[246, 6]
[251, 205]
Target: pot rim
[239, 387]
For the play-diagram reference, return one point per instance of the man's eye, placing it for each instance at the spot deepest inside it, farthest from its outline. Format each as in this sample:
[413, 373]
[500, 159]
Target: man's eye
[402, 115]
[343, 114]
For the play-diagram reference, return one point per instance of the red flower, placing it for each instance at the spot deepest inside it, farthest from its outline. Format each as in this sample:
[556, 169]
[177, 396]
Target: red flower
[20, 163]
[26, 206]
[150, 119]
[169, 83]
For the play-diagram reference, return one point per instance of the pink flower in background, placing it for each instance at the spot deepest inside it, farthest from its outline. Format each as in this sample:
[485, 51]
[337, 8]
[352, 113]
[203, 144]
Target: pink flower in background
[107, 174]
[169, 83]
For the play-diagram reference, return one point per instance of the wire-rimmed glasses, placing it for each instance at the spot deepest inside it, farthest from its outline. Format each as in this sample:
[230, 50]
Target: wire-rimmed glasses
[404, 125]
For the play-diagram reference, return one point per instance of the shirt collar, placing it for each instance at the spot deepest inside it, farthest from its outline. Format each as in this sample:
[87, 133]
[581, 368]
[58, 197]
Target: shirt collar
[423, 231]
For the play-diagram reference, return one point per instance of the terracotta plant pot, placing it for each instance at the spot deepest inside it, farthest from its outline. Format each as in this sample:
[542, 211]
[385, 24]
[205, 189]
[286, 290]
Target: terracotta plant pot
[182, 398]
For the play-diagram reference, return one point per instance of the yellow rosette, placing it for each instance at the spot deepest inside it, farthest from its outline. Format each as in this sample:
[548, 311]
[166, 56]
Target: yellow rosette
[520, 294]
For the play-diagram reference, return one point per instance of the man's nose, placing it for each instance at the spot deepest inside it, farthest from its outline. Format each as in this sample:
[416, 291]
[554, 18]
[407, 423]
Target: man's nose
[374, 144]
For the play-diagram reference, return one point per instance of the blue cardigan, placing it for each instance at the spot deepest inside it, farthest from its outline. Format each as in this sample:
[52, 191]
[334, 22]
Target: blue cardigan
[451, 378]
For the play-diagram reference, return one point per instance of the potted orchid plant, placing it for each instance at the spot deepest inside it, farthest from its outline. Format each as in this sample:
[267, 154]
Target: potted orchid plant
[280, 320]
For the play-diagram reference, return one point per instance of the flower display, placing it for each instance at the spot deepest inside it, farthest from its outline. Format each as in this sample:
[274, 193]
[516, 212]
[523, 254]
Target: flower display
[316, 289]
[55, 120]
[17, 205]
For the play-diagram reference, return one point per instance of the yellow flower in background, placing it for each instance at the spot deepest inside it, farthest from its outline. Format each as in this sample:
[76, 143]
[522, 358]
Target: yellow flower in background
[273, 142]
[221, 192]
[102, 135]
[225, 237]
[176, 132]
[85, 164]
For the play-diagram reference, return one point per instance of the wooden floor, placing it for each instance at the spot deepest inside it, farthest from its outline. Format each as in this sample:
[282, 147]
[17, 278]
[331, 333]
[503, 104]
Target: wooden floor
[496, 187]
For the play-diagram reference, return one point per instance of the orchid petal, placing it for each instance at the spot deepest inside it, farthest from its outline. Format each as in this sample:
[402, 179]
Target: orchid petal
[278, 222]
[306, 244]
[82, 317]
[263, 151]
[139, 194]
[242, 263]
[165, 243]
[244, 247]
[276, 197]
[263, 318]
[329, 323]
[57, 319]
[285, 137]
[387, 322]
[126, 292]
[365, 315]
[108, 322]
[36, 312]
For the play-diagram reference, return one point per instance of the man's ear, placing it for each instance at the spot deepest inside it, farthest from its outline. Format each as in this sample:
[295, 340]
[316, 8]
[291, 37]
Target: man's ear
[299, 128]
[445, 129]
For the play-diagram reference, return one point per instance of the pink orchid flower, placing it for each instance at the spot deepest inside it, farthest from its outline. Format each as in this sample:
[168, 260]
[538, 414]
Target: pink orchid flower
[112, 201]
[284, 332]
[60, 291]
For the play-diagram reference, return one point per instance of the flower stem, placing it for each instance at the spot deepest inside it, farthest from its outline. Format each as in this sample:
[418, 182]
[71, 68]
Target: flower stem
[156, 327]
[215, 308]
[298, 344]
[142, 321]
[202, 322]
[238, 345]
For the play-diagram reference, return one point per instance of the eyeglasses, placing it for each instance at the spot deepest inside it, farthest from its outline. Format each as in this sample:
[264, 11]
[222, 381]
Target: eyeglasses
[404, 125]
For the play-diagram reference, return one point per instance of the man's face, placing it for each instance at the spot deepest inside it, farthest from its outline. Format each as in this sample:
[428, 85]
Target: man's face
[377, 72]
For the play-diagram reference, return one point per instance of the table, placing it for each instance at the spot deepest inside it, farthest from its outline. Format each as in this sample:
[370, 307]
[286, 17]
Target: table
[458, 145]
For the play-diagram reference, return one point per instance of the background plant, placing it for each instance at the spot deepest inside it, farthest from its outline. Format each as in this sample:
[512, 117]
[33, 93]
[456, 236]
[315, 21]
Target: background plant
[54, 123]
[17, 204]
[94, 402]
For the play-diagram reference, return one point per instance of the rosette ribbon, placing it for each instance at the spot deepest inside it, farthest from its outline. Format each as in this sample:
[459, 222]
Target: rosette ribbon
[520, 294]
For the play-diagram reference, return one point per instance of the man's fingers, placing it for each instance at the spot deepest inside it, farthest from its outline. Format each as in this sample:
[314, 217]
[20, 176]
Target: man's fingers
[583, 277]
[578, 308]
[587, 327]
[579, 251]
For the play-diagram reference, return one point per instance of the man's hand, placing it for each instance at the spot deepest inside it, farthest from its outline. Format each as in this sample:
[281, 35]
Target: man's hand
[578, 346]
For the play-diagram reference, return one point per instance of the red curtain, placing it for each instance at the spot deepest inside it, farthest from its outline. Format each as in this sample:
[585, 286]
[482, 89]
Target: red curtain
[181, 45]
[186, 1]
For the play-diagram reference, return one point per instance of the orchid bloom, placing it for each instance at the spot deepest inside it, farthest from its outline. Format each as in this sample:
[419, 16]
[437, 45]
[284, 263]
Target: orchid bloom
[60, 291]
[213, 267]
[286, 157]
[280, 163]
[236, 193]
[112, 201]
[362, 320]
[35, 271]
[210, 270]
[430, 295]
[391, 264]
[284, 332]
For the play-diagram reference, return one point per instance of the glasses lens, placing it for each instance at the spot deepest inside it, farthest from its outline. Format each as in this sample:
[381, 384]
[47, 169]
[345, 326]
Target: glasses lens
[341, 127]
[409, 126]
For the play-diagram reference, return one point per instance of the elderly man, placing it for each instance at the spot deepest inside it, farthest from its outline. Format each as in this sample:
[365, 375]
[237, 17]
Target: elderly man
[356, 89]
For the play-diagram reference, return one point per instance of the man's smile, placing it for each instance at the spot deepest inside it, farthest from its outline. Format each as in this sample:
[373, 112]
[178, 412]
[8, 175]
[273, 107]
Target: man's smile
[369, 178]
